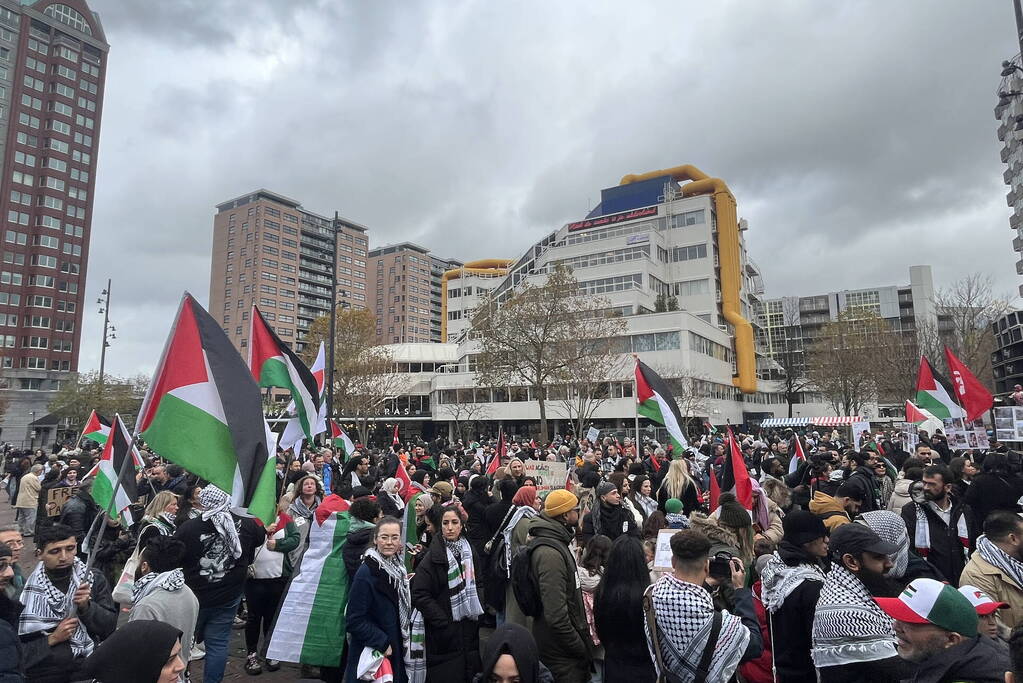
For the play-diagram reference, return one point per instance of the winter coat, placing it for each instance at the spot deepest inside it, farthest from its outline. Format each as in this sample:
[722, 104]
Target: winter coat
[864, 481]
[690, 496]
[774, 530]
[946, 551]
[993, 581]
[975, 660]
[28, 491]
[626, 655]
[900, 496]
[388, 507]
[359, 538]
[561, 631]
[178, 608]
[829, 510]
[372, 619]
[614, 521]
[10, 646]
[794, 622]
[990, 492]
[759, 670]
[78, 513]
[452, 647]
[475, 505]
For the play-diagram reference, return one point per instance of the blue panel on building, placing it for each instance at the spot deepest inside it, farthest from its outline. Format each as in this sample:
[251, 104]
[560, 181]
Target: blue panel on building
[633, 195]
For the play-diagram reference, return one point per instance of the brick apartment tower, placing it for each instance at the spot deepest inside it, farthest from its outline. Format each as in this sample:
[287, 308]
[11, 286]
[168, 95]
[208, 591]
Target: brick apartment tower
[269, 251]
[53, 59]
[406, 293]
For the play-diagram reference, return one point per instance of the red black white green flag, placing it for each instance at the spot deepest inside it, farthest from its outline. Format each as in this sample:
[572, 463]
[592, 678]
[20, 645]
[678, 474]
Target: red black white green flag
[340, 440]
[655, 402]
[934, 393]
[274, 364]
[116, 463]
[735, 476]
[97, 428]
[204, 411]
[293, 432]
[796, 454]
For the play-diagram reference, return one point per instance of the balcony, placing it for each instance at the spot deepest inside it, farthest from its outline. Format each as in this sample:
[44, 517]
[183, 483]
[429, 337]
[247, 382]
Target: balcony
[1019, 267]
[1015, 220]
[1011, 198]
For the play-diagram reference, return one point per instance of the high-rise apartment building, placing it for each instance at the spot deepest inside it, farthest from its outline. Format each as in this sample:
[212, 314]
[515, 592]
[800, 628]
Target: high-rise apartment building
[1010, 131]
[52, 69]
[406, 297]
[269, 251]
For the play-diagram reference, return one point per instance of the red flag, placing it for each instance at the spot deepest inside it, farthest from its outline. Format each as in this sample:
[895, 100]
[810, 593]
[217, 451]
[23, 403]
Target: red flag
[401, 474]
[914, 414]
[971, 394]
[715, 490]
[734, 476]
[396, 442]
[495, 460]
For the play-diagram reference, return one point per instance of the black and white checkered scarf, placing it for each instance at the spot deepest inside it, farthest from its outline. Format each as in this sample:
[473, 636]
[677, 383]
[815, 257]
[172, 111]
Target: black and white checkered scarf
[997, 557]
[171, 581]
[891, 528]
[779, 580]
[849, 626]
[683, 612]
[46, 606]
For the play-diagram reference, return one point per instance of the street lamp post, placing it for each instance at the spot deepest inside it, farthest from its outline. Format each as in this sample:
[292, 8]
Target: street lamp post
[109, 331]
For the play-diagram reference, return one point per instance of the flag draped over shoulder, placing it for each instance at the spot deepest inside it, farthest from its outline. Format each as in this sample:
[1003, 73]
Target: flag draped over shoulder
[274, 364]
[310, 627]
[656, 403]
[204, 412]
[116, 462]
[293, 431]
[934, 393]
[97, 428]
[971, 394]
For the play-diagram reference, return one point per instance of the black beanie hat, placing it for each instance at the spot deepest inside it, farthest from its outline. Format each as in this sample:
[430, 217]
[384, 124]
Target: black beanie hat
[802, 526]
[732, 514]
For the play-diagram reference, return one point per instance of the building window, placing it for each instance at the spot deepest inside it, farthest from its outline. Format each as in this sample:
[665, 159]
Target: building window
[69, 16]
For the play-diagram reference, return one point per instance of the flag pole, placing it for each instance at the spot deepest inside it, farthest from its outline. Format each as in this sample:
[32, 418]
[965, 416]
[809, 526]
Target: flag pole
[635, 393]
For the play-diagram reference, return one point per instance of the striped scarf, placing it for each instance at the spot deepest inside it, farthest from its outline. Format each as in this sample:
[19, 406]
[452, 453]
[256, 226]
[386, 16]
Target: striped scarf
[395, 571]
[683, 614]
[997, 557]
[465, 603]
[415, 658]
[849, 626]
[922, 540]
[46, 606]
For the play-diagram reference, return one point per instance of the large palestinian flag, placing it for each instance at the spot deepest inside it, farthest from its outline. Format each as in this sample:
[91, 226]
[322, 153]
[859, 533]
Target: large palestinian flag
[117, 462]
[273, 364]
[293, 433]
[656, 403]
[204, 412]
[97, 428]
[310, 626]
[934, 393]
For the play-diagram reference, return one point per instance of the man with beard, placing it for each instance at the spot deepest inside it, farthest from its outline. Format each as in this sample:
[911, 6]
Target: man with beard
[941, 528]
[853, 639]
[792, 582]
[936, 627]
[863, 480]
[838, 509]
[997, 566]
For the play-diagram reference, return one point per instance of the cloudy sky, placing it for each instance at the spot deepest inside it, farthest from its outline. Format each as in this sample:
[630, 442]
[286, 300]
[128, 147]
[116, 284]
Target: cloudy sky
[858, 137]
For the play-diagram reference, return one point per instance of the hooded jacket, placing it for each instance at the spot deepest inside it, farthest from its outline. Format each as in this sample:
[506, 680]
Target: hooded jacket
[829, 510]
[562, 631]
[900, 496]
[179, 608]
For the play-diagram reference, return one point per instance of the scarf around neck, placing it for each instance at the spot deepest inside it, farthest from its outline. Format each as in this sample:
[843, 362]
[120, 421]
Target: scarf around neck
[465, 602]
[683, 614]
[216, 506]
[298, 508]
[891, 528]
[46, 606]
[779, 580]
[849, 626]
[646, 503]
[522, 512]
[1000, 559]
[922, 535]
[395, 571]
[171, 581]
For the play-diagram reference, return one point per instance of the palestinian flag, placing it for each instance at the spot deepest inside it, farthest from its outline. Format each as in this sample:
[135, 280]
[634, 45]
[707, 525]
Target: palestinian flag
[971, 394]
[495, 461]
[97, 428]
[293, 433]
[714, 493]
[735, 476]
[204, 412]
[340, 440]
[917, 415]
[796, 455]
[114, 488]
[273, 364]
[934, 393]
[310, 626]
[656, 403]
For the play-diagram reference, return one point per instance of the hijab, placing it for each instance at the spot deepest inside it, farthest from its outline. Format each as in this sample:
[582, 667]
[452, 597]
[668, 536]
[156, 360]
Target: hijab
[135, 653]
[512, 639]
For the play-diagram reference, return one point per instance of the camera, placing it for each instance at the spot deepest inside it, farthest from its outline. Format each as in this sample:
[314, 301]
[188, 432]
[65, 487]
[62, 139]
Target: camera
[721, 565]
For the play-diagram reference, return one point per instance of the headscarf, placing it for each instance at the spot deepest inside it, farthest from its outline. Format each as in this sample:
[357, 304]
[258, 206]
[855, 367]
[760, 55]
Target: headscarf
[525, 496]
[135, 653]
[892, 529]
[761, 513]
[217, 508]
[391, 487]
[512, 639]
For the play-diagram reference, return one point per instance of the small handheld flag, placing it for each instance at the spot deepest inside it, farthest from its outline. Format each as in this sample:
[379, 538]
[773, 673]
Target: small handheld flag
[97, 428]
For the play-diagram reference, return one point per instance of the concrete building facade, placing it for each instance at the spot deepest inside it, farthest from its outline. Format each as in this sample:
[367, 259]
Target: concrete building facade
[53, 59]
[406, 293]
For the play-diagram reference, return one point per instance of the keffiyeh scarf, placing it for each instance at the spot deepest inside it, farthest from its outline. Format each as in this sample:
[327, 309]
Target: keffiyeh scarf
[465, 603]
[779, 580]
[298, 508]
[922, 535]
[171, 581]
[395, 571]
[216, 507]
[523, 512]
[849, 627]
[683, 613]
[997, 557]
[163, 522]
[646, 503]
[46, 606]
[415, 658]
[892, 529]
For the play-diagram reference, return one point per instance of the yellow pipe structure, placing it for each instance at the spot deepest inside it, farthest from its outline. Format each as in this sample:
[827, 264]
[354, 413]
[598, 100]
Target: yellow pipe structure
[730, 256]
[494, 267]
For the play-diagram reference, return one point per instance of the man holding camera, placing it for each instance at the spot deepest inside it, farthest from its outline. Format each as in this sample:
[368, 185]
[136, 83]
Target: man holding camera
[688, 638]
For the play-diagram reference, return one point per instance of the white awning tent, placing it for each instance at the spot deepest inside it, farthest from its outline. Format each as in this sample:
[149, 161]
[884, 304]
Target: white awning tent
[807, 421]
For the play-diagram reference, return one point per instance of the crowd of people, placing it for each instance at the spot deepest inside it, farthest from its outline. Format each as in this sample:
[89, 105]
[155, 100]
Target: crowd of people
[458, 563]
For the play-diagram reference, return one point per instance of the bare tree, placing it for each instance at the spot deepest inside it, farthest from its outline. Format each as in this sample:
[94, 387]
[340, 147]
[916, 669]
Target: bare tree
[538, 333]
[588, 386]
[467, 416]
[365, 376]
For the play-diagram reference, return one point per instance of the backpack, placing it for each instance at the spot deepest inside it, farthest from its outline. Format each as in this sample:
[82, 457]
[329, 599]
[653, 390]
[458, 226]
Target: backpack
[523, 578]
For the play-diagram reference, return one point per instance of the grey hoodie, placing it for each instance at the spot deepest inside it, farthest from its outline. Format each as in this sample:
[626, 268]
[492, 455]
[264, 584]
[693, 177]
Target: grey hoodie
[178, 608]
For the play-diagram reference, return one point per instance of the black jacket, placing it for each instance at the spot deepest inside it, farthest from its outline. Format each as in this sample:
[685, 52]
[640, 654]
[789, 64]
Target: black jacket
[614, 521]
[794, 622]
[976, 660]
[690, 499]
[946, 552]
[212, 572]
[11, 670]
[476, 506]
[78, 513]
[452, 647]
[863, 480]
[354, 547]
[989, 492]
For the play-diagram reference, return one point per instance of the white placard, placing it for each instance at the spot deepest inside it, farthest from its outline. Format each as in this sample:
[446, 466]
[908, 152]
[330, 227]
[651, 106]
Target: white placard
[592, 434]
[549, 475]
[857, 429]
[662, 555]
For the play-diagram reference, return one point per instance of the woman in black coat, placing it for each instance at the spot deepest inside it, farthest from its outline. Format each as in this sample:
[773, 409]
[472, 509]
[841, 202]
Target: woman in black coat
[477, 500]
[995, 488]
[452, 644]
[618, 613]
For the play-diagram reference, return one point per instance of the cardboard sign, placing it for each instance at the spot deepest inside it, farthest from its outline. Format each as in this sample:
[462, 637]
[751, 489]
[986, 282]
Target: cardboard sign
[857, 430]
[56, 497]
[548, 475]
[662, 555]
